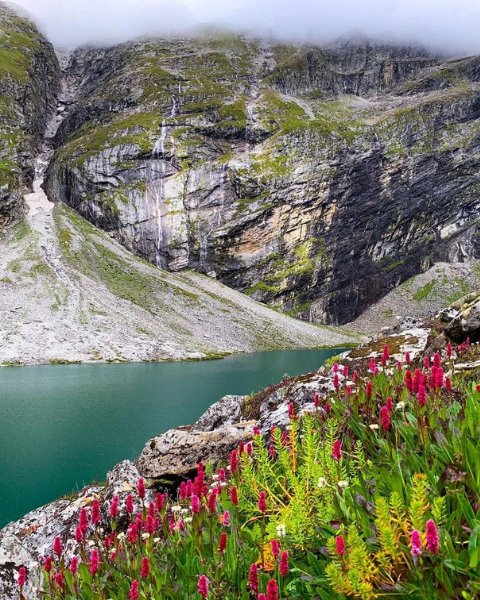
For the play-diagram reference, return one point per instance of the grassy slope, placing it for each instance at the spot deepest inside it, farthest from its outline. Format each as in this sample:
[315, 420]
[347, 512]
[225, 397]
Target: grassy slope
[82, 297]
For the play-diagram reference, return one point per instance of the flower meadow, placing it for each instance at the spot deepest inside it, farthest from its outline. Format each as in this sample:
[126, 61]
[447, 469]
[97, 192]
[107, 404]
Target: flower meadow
[373, 493]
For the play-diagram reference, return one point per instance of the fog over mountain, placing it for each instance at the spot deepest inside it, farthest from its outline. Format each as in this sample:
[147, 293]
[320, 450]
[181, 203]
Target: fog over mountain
[450, 26]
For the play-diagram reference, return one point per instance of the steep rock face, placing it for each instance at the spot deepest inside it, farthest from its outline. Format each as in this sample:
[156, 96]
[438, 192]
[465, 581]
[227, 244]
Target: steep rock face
[29, 82]
[314, 179]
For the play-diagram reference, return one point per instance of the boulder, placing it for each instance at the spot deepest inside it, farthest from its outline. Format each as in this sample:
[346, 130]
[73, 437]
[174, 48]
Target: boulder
[177, 452]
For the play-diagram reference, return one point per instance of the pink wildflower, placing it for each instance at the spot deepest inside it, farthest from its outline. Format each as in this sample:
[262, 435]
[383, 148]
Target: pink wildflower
[141, 488]
[145, 568]
[202, 586]
[57, 546]
[340, 545]
[272, 590]
[134, 591]
[337, 450]
[94, 561]
[222, 542]
[22, 577]
[415, 543]
[431, 535]
[253, 578]
[114, 506]
[262, 502]
[73, 566]
[283, 565]
[95, 514]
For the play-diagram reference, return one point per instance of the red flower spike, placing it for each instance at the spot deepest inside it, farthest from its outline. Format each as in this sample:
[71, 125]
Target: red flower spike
[275, 546]
[431, 536]
[132, 533]
[449, 350]
[408, 381]
[337, 450]
[212, 501]
[129, 504]
[448, 384]
[437, 359]
[57, 546]
[345, 370]
[385, 355]
[114, 506]
[291, 411]
[369, 389]
[422, 395]
[340, 545]
[73, 566]
[222, 542]
[159, 501]
[327, 408]
[389, 404]
[234, 496]
[272, 590]
[22, 577]
[385, 418]
[316, 400]
[283, 565]
[262, 502]
[141, 488]
[47, 564]
[415, 543]
[94, 561]
[336, 381]
[59, 579]
[253, 578]
[134, 593]
[262, 597]
[95, 514]
[355, 377]
[408, 360]
[202, 586]
[145, 568]
[233, 461]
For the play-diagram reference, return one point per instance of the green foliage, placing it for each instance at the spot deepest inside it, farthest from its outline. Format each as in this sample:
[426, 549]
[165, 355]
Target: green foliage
[344, 513]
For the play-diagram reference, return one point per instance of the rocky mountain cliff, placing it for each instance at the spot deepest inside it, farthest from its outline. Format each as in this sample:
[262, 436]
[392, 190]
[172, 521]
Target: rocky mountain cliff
[29, 83]
[314, 179]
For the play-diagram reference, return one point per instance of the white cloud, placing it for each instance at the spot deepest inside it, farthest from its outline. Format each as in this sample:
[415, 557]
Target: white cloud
[450, 25]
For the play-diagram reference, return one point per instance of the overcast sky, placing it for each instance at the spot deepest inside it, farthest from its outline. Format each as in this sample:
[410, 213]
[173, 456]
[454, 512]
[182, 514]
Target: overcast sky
[450, 25]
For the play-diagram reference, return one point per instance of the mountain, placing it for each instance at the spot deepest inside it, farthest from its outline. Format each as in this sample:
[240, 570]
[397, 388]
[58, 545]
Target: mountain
[313, 179]
[29, 83]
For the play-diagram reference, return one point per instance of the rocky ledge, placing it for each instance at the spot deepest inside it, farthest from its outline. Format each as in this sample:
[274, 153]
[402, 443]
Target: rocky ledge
[173, 456]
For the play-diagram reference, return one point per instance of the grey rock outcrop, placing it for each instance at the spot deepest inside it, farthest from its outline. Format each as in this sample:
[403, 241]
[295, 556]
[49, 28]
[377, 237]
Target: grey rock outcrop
[29, 83]
[177, 452]
[314, 179]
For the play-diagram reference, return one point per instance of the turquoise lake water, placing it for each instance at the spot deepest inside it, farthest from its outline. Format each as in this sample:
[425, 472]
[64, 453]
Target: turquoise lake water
[61, 427]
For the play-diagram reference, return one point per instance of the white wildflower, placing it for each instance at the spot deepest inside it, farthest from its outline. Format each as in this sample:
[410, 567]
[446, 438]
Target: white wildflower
[322, 482]
[400, 405]
[373, 426]
[342, 484]
[176, 508]
[121, 536]
[281, 530]
[145, 536]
